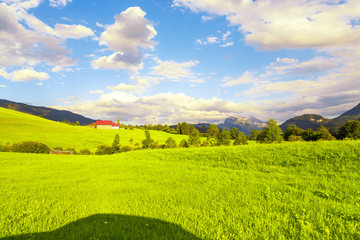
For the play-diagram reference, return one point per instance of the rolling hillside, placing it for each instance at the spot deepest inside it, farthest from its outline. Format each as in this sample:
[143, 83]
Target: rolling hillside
[45, 112]
[16, 126]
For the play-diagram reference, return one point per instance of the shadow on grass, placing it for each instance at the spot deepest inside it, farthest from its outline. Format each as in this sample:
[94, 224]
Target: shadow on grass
[112, 226]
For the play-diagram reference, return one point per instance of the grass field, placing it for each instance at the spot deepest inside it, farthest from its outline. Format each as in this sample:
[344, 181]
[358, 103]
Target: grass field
[16, 126]
[275, 191]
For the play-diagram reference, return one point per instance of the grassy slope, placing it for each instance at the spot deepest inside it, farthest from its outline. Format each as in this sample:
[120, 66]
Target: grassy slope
[284, 191]
[16, 126]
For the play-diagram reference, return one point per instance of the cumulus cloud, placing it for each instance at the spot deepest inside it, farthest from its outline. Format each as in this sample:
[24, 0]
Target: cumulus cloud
[163, 108]
[19, 45]
[127, 38]
[72, 31]
[301, 24]
[3, 86]
[25, 75]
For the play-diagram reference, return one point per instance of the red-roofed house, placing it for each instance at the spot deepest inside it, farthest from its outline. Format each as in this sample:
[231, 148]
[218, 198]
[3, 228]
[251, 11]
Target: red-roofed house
[106, 125]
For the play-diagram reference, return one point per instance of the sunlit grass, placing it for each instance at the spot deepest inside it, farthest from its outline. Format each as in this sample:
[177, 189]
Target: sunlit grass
[16, 126]
[276, 191]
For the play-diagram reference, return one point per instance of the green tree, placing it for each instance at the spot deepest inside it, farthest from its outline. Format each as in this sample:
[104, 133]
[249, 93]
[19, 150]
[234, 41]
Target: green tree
[147, 142]
[254, 134]
[233, 133]
[309, 135]
[77, 123]
[323, 134]
[116, 144]
[350, 130]
[170, 143]
[213, 131]
[224, 138]
[240, 139]
[118, 121]
[292, 130]
[270, 134]
[194, 138]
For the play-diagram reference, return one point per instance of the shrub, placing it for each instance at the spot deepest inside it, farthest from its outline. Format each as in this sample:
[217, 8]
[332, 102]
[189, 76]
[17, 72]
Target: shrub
[58, 148]
[125, 149]
[30, 147]
[295, 138]
[170, 143]
[184, 144]
[104, 150]
[84, 152]
[6, 148]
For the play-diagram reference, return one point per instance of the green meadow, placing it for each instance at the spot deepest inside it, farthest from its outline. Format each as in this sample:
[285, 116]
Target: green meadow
[301, 190]
[16, 127]
[270, 191]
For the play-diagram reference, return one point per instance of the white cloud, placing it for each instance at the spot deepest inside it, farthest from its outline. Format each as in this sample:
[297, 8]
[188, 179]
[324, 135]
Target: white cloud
[163, 108]
[96, 91]
[131, 61]
[247, 77]
[3, 86]
[127, 37]
[206, 18]
[212, 40]
[40, 83]
[287, 60]
[175, 70]
[72, 31]
[222, 40]
[19, 46]
[286, 23]
[25, 75]
[228, 44]
[59, 3]
[226, 35]
[293, 67]
[128, 88]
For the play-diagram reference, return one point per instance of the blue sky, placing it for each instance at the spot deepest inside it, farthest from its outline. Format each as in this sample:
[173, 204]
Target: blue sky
[182, 60]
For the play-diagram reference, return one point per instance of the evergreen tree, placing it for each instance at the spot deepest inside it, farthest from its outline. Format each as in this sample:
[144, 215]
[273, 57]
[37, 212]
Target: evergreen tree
[116, 144]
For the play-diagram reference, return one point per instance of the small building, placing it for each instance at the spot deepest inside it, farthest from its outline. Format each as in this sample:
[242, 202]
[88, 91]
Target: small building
[107, 124]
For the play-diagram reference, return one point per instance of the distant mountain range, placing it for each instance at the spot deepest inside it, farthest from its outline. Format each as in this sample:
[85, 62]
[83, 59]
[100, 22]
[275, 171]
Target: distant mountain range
[245, 125]
[315, 121]
[48, 113]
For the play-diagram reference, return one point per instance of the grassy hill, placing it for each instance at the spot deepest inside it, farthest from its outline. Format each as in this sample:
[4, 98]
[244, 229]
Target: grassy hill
[16, 126]
[270, 191]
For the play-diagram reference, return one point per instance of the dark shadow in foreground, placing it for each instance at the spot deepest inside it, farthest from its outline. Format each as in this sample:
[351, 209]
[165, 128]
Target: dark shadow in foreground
[112, 226]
